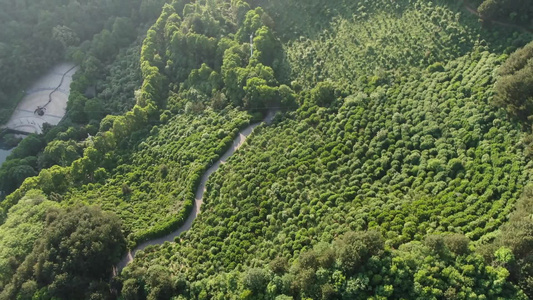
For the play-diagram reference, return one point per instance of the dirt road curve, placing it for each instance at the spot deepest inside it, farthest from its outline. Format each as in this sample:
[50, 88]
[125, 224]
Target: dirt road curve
[52, 91]
[237, 143]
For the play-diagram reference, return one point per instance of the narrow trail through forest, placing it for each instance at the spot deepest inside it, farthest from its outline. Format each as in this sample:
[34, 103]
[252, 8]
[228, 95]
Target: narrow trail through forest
[237, 143]
[57, 88]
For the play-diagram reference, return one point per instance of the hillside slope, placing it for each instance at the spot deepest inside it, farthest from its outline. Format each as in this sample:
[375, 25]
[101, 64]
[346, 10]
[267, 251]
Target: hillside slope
[387, 173]
[395, 135]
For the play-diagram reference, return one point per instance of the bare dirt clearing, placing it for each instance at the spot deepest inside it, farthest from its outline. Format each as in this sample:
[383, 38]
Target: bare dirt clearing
[58, 79]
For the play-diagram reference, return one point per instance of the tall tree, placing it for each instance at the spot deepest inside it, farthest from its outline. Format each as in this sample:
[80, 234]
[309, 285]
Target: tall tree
[74, 257]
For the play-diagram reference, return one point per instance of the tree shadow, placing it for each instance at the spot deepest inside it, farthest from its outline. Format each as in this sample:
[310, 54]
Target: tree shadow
[311, 19]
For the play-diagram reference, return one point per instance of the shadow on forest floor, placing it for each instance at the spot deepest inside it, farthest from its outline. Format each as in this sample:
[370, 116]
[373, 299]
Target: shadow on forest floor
[310, 19]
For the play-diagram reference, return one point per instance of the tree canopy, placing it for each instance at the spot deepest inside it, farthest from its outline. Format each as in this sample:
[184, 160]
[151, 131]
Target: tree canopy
[386, 172]
[72, 259]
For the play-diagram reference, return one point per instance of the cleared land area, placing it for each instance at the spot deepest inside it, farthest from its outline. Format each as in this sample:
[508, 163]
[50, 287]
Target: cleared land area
[25, 119]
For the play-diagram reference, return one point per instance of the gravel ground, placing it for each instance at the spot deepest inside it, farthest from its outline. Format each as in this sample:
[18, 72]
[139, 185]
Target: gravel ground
[24, 117]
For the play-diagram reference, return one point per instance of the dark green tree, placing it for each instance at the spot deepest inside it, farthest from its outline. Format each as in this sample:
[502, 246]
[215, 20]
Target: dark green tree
[74, 256]
[514, 87]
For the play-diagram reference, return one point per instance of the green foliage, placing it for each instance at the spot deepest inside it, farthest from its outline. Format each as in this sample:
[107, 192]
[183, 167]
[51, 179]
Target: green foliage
[205, 53]
[124, 77]
[394, 143]
[457, 243]
[381, 144]
[21, 229]
[279, 265]
[255, 280]
[83, 113]
[370, 45]
[60, 153]
[410, 272]
[92, 172]
[355, 249]
[13, 172]
[514, 87]
[160, 173]
[436, 67]
[29, 146]
[516, 11]
[323, 94]
[36, 35]
[513, 246]
[72, 258]
[258, 94]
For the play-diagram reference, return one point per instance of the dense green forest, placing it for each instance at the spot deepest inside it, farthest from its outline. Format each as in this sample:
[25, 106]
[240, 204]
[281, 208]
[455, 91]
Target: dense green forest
[37, 34]
[514, 11]
[109, 63]
[397, 165]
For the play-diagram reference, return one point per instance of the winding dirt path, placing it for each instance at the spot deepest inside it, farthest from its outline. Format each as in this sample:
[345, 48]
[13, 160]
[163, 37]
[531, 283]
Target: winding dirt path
[58, 86]
[51, 91]
[237, 143]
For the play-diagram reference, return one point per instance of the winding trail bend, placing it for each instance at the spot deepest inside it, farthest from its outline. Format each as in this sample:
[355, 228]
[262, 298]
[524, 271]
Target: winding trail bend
[57, 88]
[237, 143]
